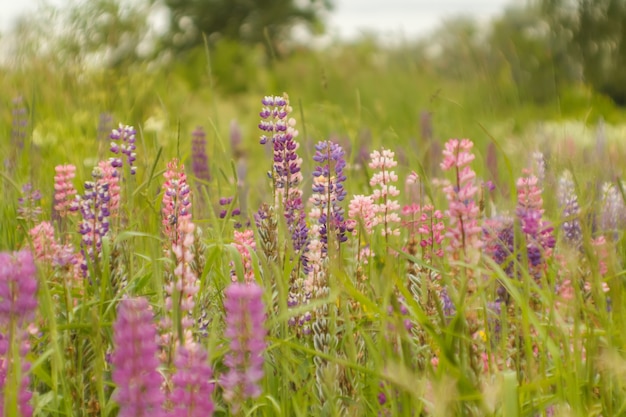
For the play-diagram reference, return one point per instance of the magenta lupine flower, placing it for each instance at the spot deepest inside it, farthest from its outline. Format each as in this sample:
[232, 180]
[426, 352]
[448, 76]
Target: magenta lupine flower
[463, 230]
[245, 329]
[286, 169]
[124, 143]
[191, 384]
[387, 209]
[244, 242]
[64, 190]
[94, 207]
[18, 285]
[28, 205]
[18, 303]
[570, 210]
[199, 158]
[135, 363]
[176, 199]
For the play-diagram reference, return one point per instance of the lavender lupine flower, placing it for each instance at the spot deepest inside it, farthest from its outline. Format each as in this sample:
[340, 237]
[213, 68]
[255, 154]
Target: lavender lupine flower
[18, 303]
[286, 169]
[328, 179]
[245, 328]
[135, 361]
[29, 208]
[192, 386]
[570, 210]
[199, 158]
[94, 207]
[612, 211]
[327, 217]
[124, 142]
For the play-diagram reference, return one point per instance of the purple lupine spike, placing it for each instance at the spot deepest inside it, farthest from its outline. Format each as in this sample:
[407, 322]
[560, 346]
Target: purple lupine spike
[135, 362]
[570, 210]
[245, 328]
[280, 129]
[18, 303]
[124, 143]
[192, 386]
[329, 191]
[199, 158]
[94, 207]
[29, 208]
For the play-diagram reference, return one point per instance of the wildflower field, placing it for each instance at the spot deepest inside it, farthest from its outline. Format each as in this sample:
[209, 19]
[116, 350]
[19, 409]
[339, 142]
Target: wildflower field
[371, 244]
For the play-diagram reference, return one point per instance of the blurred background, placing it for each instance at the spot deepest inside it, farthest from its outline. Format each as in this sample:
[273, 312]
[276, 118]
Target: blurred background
[389, 66]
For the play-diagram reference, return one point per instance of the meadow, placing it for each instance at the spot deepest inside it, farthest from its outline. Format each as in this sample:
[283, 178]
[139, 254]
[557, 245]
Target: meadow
[344, 232]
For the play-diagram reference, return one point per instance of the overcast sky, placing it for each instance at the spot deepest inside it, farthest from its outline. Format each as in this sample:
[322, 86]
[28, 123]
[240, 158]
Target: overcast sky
[350, 17]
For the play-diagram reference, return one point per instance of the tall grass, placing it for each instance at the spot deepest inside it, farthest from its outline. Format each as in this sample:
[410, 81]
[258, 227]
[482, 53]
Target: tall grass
[393, 330]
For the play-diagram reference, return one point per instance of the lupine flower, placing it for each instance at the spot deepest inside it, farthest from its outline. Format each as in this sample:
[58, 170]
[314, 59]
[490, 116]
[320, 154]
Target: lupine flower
[199, 158]
[64, 190]
[286, 169]
[18, 303]
[244, 241]
[463, 212]
[94, 207]
[225, 202]
[362, 212]
[18, 285]
[111, 177]
[538, 236]
[124, 143]
[135, 363]
[192, 386]
[612, 211]
[48, 250]
[570, 210]
[328, 192]
[245, 329]
[387, 209]
[176, 199]
[184, 284]
[28, 205]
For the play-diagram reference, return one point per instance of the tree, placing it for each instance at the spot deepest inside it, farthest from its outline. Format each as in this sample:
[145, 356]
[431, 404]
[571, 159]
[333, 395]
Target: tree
[248, 21]
[598, 42]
